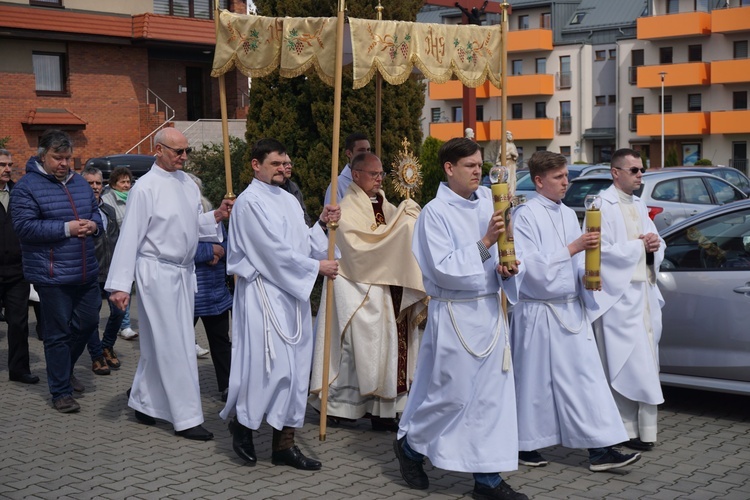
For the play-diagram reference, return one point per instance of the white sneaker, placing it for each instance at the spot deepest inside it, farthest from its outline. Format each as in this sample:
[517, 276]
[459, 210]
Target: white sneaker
[201, 352]
[128, 334]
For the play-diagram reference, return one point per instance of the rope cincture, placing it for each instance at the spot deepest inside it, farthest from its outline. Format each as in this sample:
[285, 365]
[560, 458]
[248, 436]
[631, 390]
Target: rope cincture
[270, 320]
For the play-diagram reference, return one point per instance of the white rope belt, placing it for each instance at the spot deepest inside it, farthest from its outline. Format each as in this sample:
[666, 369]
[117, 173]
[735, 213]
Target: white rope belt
[549, 303]
[495, 337]
[270, 320]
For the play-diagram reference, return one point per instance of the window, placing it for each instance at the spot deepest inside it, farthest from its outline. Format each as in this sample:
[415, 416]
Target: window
[694, 102]
[740, 49]
[435, 112]
[545, 21]
[200, 9]
[612, 99]
[49, 72]
[667, 104]
[457, 114]
[578, 18]
[636, 108]
[516, 67]
[694, 191]
[739, 100]
[480, 113]
[673, 6]
[665, 55]
[600, 100]
[701, 5]
[723, 192]
[566, 121]
[540, 110]
[565, 151]
[516, 111]
[47, 3]
[600, 55]
[667, 191]
[613, 53]
[636, 57]
[541, 66]
[523, 22]
[566, 77]
[695, 53]
[541, 148]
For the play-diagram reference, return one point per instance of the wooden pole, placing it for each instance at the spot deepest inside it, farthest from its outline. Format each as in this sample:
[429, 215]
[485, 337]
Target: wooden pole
[379, 100]
[224, 120]
[332, 226]
[504, 83]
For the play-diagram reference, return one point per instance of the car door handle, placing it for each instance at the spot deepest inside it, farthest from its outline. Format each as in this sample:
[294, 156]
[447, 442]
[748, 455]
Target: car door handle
[743, 289]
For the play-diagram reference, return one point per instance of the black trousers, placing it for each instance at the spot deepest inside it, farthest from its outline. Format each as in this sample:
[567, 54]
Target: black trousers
[217, 332]
[15, 298]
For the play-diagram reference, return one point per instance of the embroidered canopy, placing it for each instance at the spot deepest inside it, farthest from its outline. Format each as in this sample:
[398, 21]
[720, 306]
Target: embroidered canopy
[258, 45]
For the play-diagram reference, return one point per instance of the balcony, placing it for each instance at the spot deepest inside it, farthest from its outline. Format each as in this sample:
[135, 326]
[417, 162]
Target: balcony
[678, 75]
[564, 124]
[733, 20]
[529, 40]
[730, 122]
[632, 75]
[731, 71]
[675, 124]
[564, 79]
[518, 85]
[542, 128]
[685, 24]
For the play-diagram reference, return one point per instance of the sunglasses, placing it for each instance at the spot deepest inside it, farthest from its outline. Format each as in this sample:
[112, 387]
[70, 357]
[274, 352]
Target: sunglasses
[178, 152]
[633, 170]
[3, 164]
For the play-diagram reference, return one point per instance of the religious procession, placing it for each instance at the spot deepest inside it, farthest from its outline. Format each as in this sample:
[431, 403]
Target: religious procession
[414, 329]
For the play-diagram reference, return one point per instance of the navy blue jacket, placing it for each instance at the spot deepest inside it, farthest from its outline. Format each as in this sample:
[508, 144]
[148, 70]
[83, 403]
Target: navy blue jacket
[40, 207]
[213, 296]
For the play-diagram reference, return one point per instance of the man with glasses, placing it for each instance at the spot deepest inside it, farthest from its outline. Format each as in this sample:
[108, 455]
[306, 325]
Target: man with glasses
[56, 217]
[378, 300]
[627, 316]
[14, 289]
[163, 223]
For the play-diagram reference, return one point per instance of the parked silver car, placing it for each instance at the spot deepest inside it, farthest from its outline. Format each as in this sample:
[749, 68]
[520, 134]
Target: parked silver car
[729, 174]
[705, 280]
[670, 195]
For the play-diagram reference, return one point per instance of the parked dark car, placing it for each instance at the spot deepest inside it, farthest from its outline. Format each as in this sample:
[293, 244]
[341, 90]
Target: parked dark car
[729, 174]
[138, 164]
[525, 185]
[705, 281]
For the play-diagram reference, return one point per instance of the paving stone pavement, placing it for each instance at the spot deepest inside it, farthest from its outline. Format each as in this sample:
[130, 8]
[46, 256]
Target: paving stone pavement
[102, 451]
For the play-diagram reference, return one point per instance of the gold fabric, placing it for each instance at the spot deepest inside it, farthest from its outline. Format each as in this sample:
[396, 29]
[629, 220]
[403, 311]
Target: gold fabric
[258, 45]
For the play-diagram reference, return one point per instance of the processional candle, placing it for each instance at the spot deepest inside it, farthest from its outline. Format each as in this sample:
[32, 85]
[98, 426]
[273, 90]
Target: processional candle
[501, 201]
[593, 279]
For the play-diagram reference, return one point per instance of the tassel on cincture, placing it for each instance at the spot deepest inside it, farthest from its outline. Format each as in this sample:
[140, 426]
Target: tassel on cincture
[506, 358]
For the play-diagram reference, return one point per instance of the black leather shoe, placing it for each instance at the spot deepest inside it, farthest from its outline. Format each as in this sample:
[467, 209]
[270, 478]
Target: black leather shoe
[503, 491]
[637, 444]
[144, 419]
[242, 442]
[24, 378]
[411, 470]
[294, 458]
[197, 433]
[384, 424]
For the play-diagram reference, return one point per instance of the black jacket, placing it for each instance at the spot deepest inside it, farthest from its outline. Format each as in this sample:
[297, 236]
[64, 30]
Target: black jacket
[11, 268]
[105, 246]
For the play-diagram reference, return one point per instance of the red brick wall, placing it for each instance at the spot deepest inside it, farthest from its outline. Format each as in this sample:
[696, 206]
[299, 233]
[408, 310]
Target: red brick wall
[107, 85]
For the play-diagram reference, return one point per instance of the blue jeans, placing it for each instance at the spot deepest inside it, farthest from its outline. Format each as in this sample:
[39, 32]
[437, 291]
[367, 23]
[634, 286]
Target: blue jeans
[489, 479]
[114, 323]
[71, 313]
[126, 317]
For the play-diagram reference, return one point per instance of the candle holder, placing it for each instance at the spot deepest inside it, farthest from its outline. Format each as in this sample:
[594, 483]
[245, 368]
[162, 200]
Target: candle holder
[501, 201]
[593, 279]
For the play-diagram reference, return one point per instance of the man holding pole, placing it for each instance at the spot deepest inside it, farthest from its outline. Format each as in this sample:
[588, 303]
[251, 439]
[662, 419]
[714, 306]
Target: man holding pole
[628, 313]
[461, 411]
[276, 259]
[561, 391]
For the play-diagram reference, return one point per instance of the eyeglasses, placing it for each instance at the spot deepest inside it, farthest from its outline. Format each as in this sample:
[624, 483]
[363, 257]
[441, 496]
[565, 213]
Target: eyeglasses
[374, 175]
[287, 164]
[4, 164]
[178, 152]
[633, 170]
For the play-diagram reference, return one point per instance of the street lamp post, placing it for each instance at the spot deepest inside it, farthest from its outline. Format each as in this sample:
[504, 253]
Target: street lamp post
[662, 75]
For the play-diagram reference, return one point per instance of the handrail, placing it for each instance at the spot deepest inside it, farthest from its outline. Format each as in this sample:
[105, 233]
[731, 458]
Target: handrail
[169, 115]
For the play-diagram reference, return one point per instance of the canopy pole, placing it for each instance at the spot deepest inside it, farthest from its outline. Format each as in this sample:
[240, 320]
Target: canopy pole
[224, 119]
[379, 100]
[332, 226]
[504, 83]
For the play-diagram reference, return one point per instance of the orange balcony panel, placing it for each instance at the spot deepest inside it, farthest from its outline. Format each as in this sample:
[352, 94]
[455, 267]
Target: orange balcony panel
[529, 40]
[536, 129]
[730, 20]
[520, 85]
[452, 89]
[447, 131]
[674, 25]
[675, 124]
[677, 75]
[730, 122]
[731, 71]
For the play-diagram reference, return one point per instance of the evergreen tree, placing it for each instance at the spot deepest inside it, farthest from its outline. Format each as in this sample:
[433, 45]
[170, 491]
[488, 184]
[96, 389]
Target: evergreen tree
[432, 171]
[299, 111]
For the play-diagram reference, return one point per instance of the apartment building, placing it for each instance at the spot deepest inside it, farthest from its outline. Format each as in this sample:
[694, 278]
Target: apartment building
[108, 72]
[585, 78]
[699, 48]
